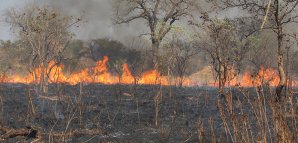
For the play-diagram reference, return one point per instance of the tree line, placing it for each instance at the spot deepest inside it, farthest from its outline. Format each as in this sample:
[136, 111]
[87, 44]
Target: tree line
[260, 35]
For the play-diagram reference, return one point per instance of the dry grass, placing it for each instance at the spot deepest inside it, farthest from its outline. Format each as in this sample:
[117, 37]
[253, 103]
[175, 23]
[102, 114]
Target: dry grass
[256, 117]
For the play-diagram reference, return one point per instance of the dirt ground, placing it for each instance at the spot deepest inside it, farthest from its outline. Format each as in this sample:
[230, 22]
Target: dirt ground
[109, 113]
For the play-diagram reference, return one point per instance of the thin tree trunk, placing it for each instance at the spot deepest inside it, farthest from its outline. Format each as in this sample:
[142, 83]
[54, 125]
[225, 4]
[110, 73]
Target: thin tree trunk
[287, 89]
[282, 76]
[44, 79]
[155, 55]
[281, 72]
[41, 79]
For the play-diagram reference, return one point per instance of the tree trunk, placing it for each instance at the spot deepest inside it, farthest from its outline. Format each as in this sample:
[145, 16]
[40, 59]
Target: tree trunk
[221, 77]
[155, 60]
[282, 76]
[281, 72]
[43, 81]
[180, 81]
[288, 85]
[155, 55]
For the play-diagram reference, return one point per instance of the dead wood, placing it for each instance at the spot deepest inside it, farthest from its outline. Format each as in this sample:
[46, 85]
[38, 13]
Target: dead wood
[27, 132]
[32, 133]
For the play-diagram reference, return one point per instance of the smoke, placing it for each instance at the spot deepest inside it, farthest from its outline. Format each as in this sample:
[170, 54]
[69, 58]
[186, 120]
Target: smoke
[97, 16]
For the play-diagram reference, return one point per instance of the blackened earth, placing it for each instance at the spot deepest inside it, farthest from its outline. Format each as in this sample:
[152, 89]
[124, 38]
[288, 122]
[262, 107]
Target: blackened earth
[122, 113]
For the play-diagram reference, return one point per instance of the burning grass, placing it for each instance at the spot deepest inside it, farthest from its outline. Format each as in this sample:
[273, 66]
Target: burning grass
[97, 74]
[100, 73]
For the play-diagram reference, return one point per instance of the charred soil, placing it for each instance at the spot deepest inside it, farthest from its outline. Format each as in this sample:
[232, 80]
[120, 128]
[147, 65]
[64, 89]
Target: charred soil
[116, 113]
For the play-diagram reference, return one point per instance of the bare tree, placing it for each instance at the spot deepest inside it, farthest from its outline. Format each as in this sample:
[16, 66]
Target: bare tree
[117, 67]
[138, 62]
[47, 33]
[179, 54]
[276, 15]
[159, 15]
[224, 50]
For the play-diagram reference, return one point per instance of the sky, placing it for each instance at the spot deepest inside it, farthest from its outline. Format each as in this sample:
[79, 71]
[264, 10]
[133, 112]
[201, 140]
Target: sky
[5, 33]
[97, 19]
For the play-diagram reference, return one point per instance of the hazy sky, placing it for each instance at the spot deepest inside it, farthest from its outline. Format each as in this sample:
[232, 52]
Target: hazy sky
[97, 16]
[5, 33]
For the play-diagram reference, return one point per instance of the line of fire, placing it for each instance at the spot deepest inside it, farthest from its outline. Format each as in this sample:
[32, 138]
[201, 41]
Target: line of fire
[100, 74]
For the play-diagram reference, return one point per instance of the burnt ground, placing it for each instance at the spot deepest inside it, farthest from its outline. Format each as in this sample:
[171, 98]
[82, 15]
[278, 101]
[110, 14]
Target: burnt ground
[117, 113]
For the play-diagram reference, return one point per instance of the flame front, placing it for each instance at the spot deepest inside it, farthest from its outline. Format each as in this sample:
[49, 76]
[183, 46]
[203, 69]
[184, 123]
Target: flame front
[100, 74]
[97, 74]
[263, 76]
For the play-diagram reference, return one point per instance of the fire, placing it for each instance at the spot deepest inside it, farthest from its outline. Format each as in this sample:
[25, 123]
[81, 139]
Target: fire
[97, 74]
[126, 76]
[153, 77]
[53, 72]
[100, 74]
[264, 76]
[56, 74]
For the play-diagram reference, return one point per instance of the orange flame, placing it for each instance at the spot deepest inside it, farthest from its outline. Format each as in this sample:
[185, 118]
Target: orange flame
[126, 77]
[264, 76]
[100, 74]
[97, 74]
